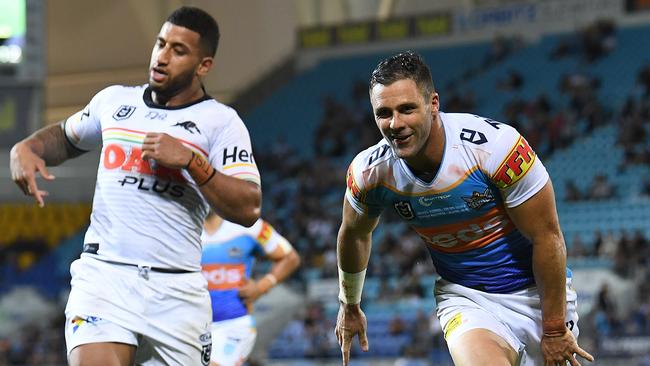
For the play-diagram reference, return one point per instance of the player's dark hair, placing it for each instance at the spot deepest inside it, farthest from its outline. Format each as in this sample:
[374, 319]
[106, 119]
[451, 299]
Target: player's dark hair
[201, 22]
[405, 65]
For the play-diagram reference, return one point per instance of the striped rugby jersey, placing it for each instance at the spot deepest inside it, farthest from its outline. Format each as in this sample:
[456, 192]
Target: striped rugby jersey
[228, 258]
[460, 215]
[144, 213]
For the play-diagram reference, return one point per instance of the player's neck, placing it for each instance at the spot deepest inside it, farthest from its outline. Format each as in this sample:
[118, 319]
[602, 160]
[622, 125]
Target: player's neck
[212, 224]
[184, 96]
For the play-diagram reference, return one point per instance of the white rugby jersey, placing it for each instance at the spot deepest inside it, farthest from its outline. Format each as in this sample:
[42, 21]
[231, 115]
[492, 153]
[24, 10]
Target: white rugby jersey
[144, 213]
[461, 214]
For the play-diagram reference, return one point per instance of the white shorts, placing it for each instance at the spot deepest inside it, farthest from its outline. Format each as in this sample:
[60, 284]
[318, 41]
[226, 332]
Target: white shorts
[233, 340]
[515, 317]
[166, 316]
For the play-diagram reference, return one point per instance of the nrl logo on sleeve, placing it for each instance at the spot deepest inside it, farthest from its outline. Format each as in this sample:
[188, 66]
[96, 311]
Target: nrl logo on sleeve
[478, 199]
[519, 160]
[124, 112]
[404, 210]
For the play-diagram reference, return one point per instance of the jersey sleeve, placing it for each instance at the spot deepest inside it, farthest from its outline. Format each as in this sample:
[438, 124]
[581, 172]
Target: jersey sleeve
[515, 168]
[269, 239]
[356, 192]
[232, 153]
[83, 129]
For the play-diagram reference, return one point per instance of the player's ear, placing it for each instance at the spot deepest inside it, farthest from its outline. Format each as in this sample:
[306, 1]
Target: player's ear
[204, 66]
[435, 102]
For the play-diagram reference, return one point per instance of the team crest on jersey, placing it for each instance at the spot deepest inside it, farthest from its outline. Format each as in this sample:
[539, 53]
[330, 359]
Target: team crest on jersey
[234, 252]
[124, 112]
[519, 160]
[478, 199]
[404, 210]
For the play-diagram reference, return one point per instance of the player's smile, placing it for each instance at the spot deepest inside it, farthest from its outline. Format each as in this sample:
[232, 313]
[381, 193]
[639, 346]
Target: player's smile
[401, 140]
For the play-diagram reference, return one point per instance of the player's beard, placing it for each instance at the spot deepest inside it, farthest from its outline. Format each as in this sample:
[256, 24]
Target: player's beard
[174, 85]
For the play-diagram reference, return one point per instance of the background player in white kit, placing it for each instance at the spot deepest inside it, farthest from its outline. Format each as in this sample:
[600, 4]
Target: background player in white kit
[482, 202]
[229, 252]
[138, 284]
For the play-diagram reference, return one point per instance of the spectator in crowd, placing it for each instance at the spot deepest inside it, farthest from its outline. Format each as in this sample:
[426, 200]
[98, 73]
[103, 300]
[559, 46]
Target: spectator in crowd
[572, 192]
[600, 188]
[513, 81]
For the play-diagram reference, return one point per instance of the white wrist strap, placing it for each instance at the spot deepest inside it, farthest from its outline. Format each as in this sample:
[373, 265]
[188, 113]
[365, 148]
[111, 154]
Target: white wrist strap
[351, 286]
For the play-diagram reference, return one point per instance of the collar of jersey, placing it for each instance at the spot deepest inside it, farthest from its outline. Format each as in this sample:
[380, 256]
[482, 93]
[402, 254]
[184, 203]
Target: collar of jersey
[151, 104]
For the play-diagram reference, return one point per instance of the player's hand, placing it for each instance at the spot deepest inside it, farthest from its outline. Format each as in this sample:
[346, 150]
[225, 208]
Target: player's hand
[249, 291]
[557, 350]
[351, 321]
[24, 165]
[166, 150]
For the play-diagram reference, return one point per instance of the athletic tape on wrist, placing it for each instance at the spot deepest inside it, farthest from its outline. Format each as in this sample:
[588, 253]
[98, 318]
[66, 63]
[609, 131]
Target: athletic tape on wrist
[200, 170]
[351, 286]
[554, 327]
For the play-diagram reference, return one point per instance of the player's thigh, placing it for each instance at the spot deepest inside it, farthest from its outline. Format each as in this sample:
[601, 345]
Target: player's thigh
[233, 341]
[89, 338]
[102, 354]
[482, 347]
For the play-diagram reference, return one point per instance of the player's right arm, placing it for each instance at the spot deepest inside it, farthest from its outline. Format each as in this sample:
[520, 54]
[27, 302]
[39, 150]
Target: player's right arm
[54, 144]
[353, 252]
[46, 147]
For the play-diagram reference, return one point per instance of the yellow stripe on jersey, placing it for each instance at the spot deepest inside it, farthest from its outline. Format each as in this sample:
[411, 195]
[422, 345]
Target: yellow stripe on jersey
[238, 165]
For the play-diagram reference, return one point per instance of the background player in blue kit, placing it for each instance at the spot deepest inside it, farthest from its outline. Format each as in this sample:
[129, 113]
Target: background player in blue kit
[229, 252]
[482, 202]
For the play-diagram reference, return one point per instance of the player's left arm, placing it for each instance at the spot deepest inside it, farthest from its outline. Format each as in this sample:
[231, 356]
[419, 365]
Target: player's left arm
[234, 199]
[536, 218]
[285, 261]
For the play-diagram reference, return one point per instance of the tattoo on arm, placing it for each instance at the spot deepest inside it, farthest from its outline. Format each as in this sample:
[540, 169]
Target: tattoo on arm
[52, 146]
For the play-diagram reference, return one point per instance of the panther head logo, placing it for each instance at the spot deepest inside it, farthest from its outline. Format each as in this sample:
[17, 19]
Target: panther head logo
[189, 126]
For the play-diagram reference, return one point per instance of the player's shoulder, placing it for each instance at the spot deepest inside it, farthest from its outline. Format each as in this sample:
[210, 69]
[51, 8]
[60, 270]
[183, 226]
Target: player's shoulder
[373, 157]
[110, 92]
[214, 108]
[474, 131]
[372, 165]
[236, 229]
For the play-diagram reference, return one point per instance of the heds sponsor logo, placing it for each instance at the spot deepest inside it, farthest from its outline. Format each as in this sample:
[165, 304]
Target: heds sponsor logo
[472, 233]
[236, 154]
[515, 165]
[223, 276]
[158, 179]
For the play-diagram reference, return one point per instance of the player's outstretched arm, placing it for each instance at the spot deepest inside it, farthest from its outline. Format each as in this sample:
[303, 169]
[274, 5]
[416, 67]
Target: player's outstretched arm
[46, 147]
[233, 199]
[537, 220]
[353, 251]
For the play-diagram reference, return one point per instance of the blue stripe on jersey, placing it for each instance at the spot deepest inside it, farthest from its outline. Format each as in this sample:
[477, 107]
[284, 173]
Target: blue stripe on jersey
[501, 267]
